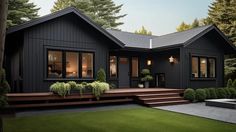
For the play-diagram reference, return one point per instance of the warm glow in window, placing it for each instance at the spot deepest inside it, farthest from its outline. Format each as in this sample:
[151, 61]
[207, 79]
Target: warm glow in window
[113, 66]
[194, 66]
[72, 59]
[135, 67]
[203, 67]
[54, 64]
[87, 65]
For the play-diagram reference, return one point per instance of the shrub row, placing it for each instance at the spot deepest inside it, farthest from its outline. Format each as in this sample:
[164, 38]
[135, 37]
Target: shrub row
[201, 94]
[231, 83]
[63, 89]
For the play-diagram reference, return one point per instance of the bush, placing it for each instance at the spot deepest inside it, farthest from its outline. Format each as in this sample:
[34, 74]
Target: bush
[229, 83]
[145, 72]
[208, 95]
[146, 75]
[220, 93]
[80, 88]
[200, 95]
[98, 88]
[101, 75]
[212, 92]
[189, 94]
[234, 84]
[4, 88]
[61, 88]
[232, 92]
[228, 93]
[72, 84]
[112, 85]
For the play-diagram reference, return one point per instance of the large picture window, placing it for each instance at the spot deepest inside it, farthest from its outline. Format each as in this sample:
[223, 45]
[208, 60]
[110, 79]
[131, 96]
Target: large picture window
[87, 65]
[72, 64]
[113, 66]
[135, 67]
[54, 64]
[69, 64]
[203, 67]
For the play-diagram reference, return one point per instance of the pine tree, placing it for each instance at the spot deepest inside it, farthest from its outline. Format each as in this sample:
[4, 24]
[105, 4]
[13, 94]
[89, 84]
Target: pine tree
[143, 31]
[20, 11]
[103, 12]
[223, 14]
[195, 23]
[183, 26]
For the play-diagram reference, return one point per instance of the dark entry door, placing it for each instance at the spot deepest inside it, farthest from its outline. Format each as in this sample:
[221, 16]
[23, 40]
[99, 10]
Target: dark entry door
[123, 72]
[160, 80]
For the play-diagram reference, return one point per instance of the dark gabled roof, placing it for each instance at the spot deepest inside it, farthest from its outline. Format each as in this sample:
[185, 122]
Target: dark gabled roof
[132, 40]
[61, 13]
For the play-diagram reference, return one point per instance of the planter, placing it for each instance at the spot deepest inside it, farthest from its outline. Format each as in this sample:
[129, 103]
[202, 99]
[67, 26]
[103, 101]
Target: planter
[146, 84]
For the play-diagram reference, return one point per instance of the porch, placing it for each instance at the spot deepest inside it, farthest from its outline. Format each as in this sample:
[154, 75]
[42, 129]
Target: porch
[147, 97]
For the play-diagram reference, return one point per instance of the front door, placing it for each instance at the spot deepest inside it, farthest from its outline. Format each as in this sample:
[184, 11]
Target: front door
[124, 72]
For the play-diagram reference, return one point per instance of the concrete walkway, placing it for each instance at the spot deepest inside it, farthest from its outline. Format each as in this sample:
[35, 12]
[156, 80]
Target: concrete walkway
[199, 109]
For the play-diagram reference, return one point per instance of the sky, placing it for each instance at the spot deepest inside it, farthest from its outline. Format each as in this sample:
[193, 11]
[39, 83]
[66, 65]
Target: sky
[158, 16]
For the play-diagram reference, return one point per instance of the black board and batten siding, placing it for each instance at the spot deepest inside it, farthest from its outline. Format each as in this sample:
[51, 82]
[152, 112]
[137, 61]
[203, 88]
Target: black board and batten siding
[66, 32]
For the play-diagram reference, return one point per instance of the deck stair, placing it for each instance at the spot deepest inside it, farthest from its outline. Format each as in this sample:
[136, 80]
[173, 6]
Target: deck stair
[161, 99]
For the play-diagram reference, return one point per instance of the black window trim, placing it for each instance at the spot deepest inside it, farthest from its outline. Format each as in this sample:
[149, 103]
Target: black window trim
[64, 50]
[208, 69]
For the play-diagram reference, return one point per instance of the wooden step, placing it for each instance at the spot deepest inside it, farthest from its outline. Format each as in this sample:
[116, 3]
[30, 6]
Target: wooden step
[157, 95]
[164, 103]
[69, 103]
[149, 100]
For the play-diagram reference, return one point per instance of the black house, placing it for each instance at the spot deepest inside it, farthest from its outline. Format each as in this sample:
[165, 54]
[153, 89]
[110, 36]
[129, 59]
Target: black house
[67, 45]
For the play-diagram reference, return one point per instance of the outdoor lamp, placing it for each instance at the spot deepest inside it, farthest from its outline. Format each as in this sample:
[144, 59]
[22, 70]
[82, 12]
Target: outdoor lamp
[171, 59]
[149, 62]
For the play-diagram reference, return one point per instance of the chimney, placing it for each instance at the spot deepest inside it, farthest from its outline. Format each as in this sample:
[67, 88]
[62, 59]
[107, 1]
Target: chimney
[150, 44]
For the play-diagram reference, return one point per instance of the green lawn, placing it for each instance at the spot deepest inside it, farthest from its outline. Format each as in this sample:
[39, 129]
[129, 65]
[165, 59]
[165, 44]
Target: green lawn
[123, 120]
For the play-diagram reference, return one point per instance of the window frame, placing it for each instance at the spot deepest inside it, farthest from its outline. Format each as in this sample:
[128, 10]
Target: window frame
[64, 50]
[116, 67]
[199, 69]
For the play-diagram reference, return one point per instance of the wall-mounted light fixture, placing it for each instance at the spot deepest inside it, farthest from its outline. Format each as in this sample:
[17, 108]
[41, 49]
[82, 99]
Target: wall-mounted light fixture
[149, 62]
[171, 59]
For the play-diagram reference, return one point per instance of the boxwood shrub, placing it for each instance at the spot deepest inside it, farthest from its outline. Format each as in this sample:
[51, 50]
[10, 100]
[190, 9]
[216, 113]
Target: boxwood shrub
[220, 93]
[189, 94]
[232, 92]
[200, 95]
[208, 95]
[212, 92]
[228, 93]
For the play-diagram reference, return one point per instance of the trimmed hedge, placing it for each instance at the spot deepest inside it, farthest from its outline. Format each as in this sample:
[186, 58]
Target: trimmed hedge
[189, 94]
[200, 95]
[221, 93]
[232, 92]
[212, 92]
[208, 95]
[229, 83]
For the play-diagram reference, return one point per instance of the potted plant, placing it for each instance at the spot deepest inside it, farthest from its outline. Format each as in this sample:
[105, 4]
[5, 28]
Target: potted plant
[146, 77]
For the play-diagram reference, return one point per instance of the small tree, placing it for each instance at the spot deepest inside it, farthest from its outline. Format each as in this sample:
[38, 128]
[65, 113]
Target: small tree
[229, 83]
[101, 75]
[234, 84]
[146, 77]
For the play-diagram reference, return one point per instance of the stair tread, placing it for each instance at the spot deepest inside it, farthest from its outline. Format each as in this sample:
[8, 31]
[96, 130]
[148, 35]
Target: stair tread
[166, 102]
[160, 98]
[143, 95]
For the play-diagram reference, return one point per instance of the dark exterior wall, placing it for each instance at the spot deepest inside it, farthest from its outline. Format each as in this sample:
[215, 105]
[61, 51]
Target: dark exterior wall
[67, 32]
[205, 46]
[161, 64]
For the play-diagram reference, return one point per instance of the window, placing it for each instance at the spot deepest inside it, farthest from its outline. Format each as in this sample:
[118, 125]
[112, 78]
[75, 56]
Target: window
[135, 67]
[203, 67]
[87, 65]
[113, 66]
[69, 64]
[212, 67]
[72, 62]
[194, 66]
[54, 64]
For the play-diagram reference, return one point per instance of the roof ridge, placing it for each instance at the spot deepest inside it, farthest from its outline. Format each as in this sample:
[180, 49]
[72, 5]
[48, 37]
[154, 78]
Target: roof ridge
[187, 30]
[132, 33]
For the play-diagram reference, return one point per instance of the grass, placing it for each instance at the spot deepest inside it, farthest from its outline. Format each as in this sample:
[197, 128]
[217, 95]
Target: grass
[125, 120]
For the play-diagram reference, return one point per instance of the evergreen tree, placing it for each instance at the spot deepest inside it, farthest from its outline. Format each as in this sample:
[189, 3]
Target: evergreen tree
[20, 11]
[183, 26]
[195, 23]
[103, 12]
[223, 14]
[143, 31]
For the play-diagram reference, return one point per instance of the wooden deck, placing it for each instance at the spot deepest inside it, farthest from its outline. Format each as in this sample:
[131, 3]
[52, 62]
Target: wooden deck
[144, 96]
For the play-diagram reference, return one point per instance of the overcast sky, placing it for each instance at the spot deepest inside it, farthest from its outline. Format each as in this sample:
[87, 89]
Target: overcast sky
[159, 16]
